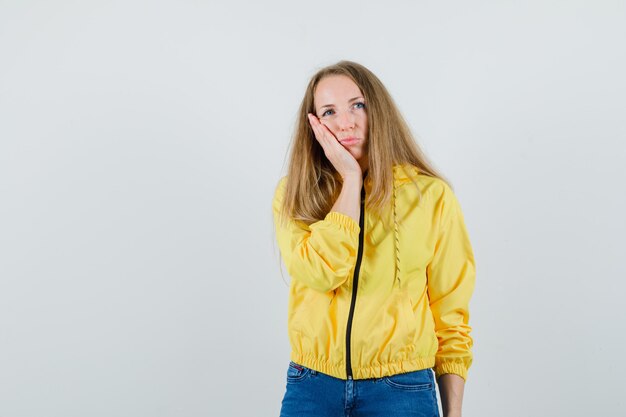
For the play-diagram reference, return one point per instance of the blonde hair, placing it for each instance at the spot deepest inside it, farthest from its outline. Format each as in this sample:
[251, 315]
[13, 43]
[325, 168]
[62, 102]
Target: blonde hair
[313, 184]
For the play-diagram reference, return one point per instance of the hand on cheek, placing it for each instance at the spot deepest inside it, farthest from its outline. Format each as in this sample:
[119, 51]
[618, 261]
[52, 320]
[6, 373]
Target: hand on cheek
[337, 154]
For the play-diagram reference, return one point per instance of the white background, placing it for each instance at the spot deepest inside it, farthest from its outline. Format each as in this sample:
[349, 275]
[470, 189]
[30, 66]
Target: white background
[141, 141]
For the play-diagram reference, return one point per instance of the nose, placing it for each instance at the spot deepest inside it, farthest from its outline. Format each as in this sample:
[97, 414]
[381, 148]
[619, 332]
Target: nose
[345, 120]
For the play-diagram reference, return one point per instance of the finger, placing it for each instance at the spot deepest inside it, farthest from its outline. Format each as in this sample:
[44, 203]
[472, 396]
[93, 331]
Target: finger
[320, 134]
[322, 129]
[315, 122]
[328, 133]
[315, 127]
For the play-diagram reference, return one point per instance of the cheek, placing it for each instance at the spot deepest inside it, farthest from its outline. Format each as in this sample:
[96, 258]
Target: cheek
[363, 119]
[329, 125]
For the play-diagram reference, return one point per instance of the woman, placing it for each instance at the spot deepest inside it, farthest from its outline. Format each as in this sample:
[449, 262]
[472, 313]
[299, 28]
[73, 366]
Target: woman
[381, 263]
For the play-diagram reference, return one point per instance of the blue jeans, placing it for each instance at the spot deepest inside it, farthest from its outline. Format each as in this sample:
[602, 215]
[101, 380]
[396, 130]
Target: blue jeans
[312, 393]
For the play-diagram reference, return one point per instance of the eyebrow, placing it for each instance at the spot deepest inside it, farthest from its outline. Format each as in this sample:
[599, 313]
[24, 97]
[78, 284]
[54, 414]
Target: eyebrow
[332, 105]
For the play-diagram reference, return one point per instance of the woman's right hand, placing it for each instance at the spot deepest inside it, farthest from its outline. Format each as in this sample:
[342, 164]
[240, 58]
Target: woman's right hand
[340, 157]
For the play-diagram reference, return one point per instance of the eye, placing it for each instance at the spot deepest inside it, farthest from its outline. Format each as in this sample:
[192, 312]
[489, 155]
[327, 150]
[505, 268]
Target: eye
[327, 113]
[359, 105]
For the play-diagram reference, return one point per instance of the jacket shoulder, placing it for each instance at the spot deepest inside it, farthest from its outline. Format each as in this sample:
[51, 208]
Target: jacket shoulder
[431, 187]
[279, 193]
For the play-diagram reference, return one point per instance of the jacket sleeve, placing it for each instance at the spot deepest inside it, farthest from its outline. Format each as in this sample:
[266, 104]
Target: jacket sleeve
[451, 278]
[321, 255]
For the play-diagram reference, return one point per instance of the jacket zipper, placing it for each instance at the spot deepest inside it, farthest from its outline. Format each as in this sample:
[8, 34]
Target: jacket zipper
[355, 283]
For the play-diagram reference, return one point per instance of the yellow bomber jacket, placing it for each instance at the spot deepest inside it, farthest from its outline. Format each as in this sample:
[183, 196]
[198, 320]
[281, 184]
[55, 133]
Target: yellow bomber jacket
[368, 300]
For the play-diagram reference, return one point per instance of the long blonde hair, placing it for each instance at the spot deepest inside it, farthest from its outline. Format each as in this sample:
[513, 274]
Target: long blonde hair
[313, 184]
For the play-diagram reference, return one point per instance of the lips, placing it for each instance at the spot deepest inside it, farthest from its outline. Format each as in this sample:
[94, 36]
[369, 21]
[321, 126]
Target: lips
[349, 141]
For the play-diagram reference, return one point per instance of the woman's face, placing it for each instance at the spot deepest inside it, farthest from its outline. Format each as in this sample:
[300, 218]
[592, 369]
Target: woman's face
[340, 106]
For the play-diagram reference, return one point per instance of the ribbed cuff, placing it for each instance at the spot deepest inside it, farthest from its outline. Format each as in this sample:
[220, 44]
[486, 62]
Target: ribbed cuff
[343, 220]
[451, 368]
